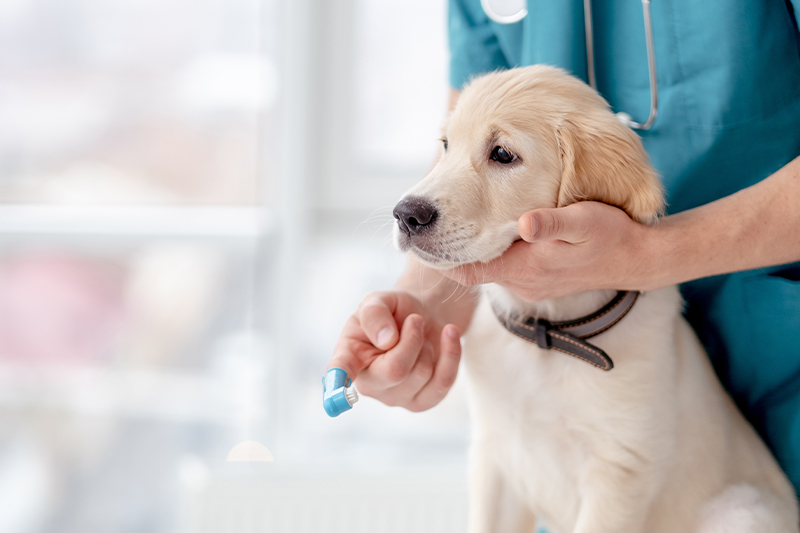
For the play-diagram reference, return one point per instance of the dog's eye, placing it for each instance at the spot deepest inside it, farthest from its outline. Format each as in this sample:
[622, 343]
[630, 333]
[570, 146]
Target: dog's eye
[500, 155]
[444, 143]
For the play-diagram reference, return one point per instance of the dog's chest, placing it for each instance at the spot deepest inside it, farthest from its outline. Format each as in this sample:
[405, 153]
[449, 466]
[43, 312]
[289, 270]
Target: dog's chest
[546, 418]
[517, 384]
[534, 410]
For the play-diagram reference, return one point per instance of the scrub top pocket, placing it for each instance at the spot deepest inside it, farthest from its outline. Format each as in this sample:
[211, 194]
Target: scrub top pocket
[772, 308]
[752, 331]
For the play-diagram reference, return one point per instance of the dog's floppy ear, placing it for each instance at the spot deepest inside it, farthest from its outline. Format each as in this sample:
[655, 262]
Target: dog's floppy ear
[603, 160]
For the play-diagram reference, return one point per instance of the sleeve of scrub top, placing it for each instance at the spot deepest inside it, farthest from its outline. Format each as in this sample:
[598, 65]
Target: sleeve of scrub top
[474, 48]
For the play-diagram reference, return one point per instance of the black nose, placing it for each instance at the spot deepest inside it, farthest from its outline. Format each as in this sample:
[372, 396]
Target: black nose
[414, 215]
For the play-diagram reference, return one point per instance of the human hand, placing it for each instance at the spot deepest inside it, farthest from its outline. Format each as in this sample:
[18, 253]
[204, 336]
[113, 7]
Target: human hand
[583, 246]
[397, 353]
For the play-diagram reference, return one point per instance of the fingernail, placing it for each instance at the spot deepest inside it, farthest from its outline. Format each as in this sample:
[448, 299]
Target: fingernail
[385, 335]
[452, 332]
[534, 226]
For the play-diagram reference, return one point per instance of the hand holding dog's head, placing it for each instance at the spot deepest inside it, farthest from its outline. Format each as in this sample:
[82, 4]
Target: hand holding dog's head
[519, 140]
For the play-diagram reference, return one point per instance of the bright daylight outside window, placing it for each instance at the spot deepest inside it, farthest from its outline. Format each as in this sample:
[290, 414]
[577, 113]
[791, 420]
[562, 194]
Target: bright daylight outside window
[173, 278]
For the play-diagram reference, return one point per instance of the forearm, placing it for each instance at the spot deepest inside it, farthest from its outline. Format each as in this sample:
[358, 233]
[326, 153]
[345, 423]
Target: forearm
[447, 300]
[755, 227]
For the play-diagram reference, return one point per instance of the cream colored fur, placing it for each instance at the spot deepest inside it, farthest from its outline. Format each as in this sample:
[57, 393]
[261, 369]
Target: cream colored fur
[653, 446]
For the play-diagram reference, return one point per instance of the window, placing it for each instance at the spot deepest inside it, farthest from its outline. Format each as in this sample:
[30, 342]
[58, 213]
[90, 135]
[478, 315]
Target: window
[185, 199]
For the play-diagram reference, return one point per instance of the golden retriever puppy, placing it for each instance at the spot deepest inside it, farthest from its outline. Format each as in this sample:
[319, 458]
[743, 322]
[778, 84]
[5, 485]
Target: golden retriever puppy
[654, 445]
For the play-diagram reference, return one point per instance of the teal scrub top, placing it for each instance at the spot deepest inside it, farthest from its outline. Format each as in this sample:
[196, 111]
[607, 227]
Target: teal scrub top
[729, 116]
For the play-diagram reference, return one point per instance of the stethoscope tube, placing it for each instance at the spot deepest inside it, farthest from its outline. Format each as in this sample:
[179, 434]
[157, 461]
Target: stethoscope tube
[651, 66]
[588, 27]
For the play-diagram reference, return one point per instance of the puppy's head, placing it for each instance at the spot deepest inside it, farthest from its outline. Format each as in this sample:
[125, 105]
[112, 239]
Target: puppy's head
[519, 140]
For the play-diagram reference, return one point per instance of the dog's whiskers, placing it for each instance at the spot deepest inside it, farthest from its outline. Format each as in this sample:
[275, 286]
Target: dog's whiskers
[376, 215]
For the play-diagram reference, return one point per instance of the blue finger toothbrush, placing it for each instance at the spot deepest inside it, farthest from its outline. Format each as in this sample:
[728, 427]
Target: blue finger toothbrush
[338, 393]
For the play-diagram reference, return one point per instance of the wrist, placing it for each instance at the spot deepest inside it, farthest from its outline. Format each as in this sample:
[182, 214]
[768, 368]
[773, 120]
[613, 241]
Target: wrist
[679, 250]
[663, 255]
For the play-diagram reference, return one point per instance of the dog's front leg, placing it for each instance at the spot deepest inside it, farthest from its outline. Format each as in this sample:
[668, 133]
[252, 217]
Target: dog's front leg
[495, 506]
[616, 500]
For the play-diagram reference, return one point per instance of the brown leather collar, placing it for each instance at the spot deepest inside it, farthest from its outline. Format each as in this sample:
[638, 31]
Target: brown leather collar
[568, 336]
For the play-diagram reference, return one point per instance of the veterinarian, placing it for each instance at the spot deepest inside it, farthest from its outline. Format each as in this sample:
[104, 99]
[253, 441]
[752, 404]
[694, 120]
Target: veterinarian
[726, 141]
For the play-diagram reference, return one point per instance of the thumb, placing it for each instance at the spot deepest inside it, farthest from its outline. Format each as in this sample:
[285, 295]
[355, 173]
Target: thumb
[561, 223]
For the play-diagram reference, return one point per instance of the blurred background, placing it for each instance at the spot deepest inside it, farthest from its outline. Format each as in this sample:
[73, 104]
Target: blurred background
[194, 195]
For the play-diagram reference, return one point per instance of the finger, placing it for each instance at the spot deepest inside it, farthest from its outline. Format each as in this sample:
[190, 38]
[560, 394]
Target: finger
[353, 351]
[570, 224]
[420, 375]
[394, 366]
[376, 316]
[444, 373]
